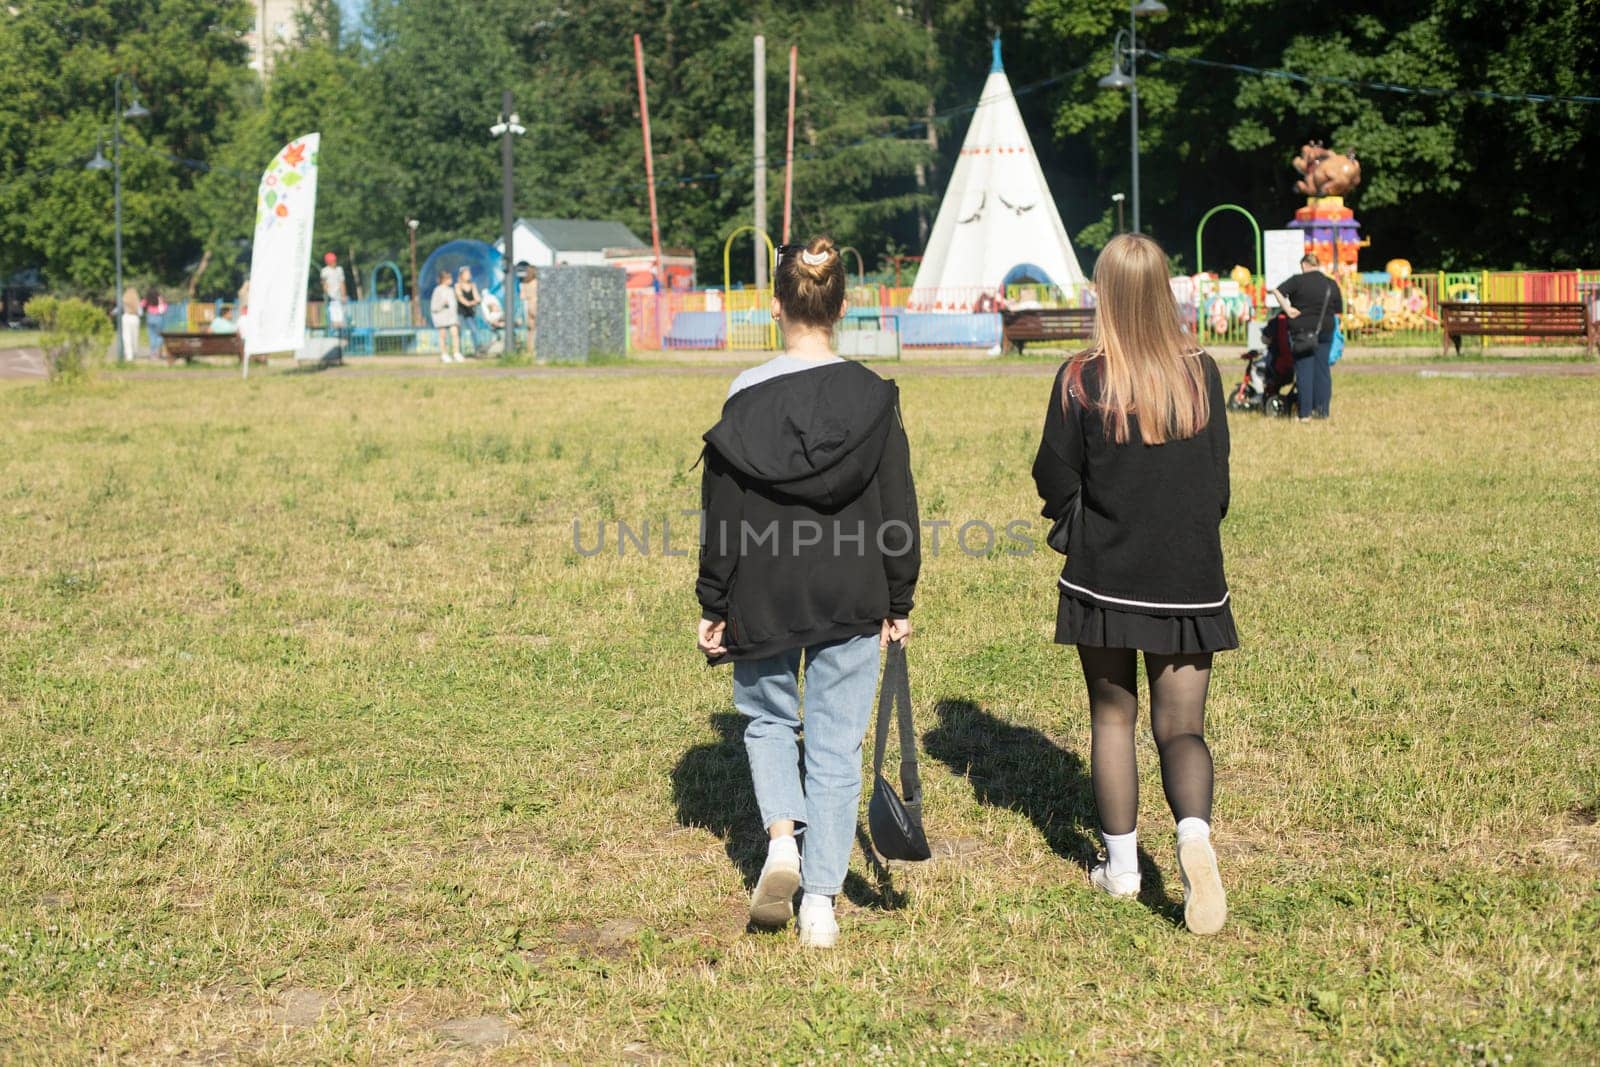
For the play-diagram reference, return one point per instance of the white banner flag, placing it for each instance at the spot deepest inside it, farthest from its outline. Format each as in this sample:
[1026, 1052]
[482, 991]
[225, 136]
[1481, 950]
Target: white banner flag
[280, 261]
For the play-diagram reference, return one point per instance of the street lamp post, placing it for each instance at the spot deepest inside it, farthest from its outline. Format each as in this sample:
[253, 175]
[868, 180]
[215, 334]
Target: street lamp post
[135, 110]
[1130, 81]
[508, 127]
[416, 291]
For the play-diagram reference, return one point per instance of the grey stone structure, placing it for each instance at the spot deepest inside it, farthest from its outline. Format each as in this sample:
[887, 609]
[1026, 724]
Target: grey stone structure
[583, 312]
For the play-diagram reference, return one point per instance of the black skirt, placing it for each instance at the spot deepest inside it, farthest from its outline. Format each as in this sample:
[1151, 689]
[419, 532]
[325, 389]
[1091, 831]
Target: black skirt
[1083, 622]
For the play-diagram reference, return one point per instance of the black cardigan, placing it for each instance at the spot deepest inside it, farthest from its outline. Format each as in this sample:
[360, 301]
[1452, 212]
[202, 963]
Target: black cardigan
[1143, 518]
[810, 515]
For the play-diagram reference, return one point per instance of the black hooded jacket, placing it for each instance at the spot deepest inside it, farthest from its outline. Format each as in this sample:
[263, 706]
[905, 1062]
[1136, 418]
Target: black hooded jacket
[810, 516]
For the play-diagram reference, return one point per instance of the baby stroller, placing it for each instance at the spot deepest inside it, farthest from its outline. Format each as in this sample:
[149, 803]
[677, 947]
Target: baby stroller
[1268, 373]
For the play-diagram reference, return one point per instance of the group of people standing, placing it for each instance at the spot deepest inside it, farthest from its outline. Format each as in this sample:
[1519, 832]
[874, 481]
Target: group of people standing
[460, 306]
[810, 557]
[151, 308]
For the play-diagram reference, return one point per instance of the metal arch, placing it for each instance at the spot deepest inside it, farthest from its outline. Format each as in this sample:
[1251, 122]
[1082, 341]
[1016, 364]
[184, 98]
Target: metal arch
[861, 264]
[727, 252]
[727, 271]
[399, 281]
[1199, 231]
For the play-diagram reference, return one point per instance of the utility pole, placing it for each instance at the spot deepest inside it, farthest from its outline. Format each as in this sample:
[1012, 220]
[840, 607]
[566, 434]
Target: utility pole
[761, 158]
[788, 159]
[925, 172]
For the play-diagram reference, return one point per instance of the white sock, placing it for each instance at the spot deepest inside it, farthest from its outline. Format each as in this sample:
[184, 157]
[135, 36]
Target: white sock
[1192, 827]
[1122, 853]
[816, 900]
[783, 848]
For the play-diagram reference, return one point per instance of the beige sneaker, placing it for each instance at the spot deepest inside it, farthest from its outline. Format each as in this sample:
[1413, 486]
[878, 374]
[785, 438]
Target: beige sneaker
[1205, 905]
[772, 902]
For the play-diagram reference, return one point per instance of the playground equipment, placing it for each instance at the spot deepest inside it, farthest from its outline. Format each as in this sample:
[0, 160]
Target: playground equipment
[1200, 229]
[998, 223]
[747, 321]
[394, 272]
[1324, 172]
[1224, 305]
[1332, 233]
[451, 256]
[1387, 302]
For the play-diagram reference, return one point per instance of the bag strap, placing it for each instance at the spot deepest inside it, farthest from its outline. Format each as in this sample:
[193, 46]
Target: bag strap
[894, 696]
[1326, 299]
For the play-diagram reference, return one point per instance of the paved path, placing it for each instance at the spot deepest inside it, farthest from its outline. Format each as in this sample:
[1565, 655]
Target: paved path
[28, 363]
[22, 363]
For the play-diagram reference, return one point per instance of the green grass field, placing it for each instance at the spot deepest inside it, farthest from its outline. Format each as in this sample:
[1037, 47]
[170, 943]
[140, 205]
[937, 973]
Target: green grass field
[319, 741]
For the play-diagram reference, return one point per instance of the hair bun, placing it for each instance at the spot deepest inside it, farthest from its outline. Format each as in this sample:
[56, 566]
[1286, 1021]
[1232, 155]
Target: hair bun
[810, 284]
[819, 253]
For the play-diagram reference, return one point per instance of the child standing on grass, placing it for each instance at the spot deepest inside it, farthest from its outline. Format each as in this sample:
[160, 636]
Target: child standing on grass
[809, 561]
[1134, 464]
[442, 310]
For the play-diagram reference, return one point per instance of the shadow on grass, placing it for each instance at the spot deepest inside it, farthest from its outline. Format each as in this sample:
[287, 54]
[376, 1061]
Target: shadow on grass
[1021, 769]
[315, 366]
[711, 790]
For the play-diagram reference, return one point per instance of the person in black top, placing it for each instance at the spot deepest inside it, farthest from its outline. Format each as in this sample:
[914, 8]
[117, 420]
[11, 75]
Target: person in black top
[468, 299]
[809, 554]
[1311, 299]
[1133, 469]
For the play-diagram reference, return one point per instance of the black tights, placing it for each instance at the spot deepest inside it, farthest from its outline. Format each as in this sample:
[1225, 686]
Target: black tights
[1177, 717]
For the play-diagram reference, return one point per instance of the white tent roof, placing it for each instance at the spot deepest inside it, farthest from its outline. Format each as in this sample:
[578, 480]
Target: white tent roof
[997, 213]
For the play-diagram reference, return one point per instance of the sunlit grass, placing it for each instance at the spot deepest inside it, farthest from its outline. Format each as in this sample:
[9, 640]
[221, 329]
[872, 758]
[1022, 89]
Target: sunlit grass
[317, 734]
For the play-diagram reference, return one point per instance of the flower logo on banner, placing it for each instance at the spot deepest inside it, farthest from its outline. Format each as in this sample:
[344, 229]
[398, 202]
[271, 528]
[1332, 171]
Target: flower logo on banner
[277, 196]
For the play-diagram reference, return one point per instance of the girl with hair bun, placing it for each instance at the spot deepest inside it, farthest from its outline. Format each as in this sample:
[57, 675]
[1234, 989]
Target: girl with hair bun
[1133, 468]
[808, 564]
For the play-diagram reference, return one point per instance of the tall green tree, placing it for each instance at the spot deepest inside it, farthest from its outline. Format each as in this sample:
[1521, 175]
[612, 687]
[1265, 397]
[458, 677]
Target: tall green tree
[1436, 167]
[58, 60]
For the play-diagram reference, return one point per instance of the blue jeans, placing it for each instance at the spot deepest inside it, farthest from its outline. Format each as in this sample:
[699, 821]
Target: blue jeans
[474, 327]
[1314, 380]
[841, 680]
[153, 322]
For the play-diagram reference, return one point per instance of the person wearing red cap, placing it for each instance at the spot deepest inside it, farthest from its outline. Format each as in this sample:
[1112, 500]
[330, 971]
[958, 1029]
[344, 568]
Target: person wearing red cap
[333, 291]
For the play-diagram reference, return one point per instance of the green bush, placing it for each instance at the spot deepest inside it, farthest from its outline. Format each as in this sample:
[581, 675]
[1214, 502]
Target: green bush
[75, 331]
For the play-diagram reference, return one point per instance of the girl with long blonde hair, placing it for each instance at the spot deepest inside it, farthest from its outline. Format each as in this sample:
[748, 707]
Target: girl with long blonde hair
[1133, 470]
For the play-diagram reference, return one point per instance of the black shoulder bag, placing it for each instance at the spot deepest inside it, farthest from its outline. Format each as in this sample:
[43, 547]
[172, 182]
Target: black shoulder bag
[1302, 344]
[896, 824]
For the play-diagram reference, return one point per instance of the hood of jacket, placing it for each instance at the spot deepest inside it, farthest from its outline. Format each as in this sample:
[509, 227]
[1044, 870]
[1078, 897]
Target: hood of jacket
[814, 435]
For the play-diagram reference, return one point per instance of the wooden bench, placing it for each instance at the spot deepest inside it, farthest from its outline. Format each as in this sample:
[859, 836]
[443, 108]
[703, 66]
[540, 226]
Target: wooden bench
[1018, 328]
[1460, 320]
[186, 346]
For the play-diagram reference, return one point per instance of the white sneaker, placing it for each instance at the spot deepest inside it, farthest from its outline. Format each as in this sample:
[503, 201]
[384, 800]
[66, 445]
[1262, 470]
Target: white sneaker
[1205, 905]
[818, 926]
[1121, 886]
[772, 902]
[444, 357]
[460, 358]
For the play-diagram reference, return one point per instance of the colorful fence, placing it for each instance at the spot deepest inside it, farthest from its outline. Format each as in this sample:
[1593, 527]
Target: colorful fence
[1379, 311]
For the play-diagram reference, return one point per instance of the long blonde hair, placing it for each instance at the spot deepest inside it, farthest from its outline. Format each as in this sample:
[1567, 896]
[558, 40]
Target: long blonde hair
[1149, 365]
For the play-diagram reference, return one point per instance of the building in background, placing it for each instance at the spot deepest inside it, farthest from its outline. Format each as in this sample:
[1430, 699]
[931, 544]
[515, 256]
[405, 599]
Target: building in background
[598, 243]
[273, 27]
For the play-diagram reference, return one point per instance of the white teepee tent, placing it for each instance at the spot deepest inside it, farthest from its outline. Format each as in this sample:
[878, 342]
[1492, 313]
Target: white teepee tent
[998, 223]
